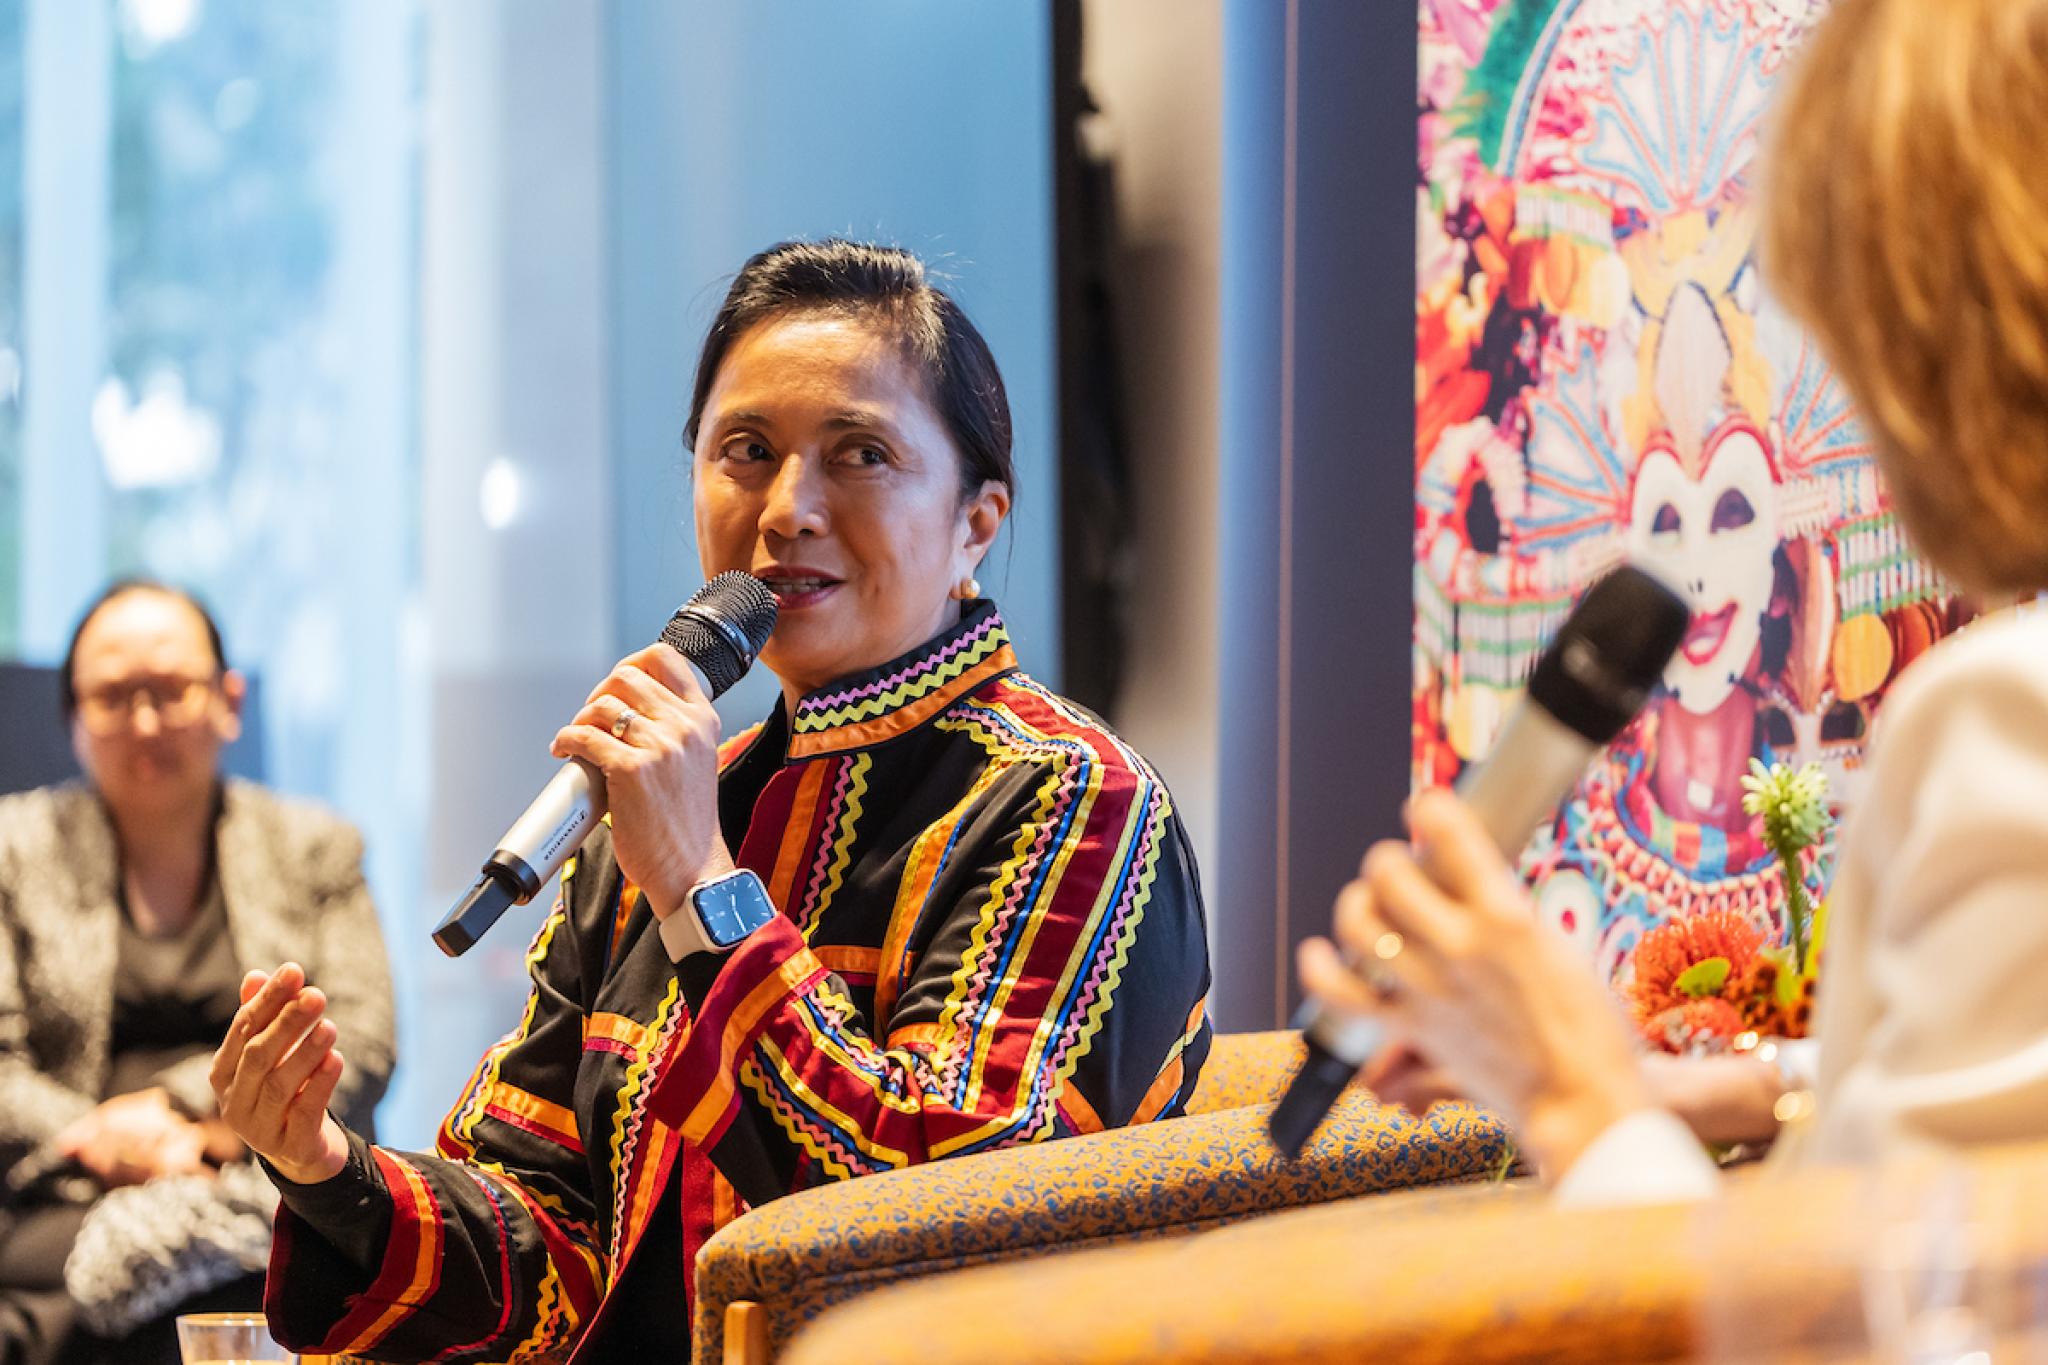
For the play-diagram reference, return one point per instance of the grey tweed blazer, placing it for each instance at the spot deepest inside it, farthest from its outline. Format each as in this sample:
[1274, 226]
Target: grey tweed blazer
[292, 879]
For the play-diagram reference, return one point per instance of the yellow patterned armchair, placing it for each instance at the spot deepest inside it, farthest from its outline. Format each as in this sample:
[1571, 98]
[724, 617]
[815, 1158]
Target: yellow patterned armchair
[1774, 1269]
[769, 1273]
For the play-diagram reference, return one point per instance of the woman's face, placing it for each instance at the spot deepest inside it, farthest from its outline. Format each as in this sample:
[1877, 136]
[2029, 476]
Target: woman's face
[823, 470]
[154, 711]
[1714, 537]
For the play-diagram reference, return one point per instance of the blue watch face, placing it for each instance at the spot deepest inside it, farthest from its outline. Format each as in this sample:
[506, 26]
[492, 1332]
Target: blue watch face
[732, 908]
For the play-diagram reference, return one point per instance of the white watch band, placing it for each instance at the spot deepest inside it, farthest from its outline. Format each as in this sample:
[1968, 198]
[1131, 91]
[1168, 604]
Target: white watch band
[682, 933]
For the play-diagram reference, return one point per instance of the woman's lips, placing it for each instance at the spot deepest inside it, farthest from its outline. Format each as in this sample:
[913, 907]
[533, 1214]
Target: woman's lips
[797, 592]
[1708, 634]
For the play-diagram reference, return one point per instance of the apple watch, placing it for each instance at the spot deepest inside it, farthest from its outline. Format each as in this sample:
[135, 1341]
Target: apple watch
[717, 916]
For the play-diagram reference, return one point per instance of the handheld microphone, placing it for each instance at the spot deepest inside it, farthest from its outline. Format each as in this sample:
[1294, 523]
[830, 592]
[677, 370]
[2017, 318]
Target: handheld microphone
[718, 631]
[1588, 684]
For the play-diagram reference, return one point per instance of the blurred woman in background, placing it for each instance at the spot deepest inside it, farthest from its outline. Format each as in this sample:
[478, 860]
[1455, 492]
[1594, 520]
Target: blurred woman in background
[131, 903]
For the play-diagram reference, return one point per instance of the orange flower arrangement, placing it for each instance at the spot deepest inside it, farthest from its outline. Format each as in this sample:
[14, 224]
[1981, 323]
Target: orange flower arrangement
[1701, 983]
[1718, 980]
[1673, 952]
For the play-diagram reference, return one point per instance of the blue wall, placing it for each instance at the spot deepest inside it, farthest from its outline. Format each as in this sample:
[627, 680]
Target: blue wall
[735, 124]
[1318, 420]
[1252, 975]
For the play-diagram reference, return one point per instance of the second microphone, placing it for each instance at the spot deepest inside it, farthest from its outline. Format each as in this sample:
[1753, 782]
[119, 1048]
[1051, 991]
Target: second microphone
[1587, 687]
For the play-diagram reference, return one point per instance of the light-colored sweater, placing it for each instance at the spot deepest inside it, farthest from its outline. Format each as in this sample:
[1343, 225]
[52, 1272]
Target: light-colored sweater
[292, 878]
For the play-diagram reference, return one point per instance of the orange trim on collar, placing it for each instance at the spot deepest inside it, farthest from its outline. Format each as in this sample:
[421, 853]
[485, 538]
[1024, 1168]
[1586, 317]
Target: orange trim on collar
[890, 724]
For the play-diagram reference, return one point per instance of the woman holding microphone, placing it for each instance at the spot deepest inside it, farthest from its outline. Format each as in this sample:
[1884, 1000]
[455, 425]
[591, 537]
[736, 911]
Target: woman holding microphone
[970, 915]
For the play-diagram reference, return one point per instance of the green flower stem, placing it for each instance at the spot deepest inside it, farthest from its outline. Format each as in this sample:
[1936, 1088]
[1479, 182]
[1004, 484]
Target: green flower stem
[1798, 908]
[1794, 809]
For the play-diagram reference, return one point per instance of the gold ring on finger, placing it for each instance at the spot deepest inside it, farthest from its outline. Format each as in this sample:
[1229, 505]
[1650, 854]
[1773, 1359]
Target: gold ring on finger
[1378, 973]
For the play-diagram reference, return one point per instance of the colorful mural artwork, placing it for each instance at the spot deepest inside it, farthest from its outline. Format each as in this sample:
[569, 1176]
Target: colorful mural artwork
[1600, 375]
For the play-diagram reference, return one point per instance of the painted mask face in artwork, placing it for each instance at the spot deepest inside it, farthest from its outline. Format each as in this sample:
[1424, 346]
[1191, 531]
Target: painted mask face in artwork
[1712, 537]
[1588, 178]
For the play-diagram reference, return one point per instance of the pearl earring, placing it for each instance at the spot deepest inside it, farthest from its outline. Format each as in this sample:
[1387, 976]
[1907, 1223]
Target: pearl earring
[968, 589]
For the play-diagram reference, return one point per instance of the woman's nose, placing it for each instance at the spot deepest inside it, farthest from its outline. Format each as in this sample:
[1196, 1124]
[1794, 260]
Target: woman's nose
[796, 501]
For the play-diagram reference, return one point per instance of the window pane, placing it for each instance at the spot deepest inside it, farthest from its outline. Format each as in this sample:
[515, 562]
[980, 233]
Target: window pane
[11, 93]
[233, 375]
[215, 419]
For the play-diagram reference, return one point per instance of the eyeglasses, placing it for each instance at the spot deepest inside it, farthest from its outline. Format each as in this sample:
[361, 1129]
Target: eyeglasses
[176, 702]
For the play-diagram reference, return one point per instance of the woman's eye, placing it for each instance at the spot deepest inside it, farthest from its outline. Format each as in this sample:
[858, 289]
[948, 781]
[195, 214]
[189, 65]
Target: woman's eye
[744, 450]
[1733, 511]
[865, 457]
[1666, 523]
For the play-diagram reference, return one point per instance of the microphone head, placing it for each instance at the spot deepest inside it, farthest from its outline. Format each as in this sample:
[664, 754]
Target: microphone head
[722, 627]
[1609, 653]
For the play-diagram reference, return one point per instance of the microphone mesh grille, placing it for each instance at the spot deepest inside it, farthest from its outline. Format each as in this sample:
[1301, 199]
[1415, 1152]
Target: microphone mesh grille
[1598, 671]
[737, 601]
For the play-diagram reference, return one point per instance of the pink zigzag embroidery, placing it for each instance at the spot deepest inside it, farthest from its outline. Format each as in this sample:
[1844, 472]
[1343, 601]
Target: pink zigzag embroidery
[889, 684]
[978, 984]
[779, 1104]
[629, 1145]
[1099, 969]
[827, 842]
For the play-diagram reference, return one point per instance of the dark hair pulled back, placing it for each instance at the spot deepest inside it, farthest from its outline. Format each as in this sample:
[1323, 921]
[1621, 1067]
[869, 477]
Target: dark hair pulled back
[886, 287]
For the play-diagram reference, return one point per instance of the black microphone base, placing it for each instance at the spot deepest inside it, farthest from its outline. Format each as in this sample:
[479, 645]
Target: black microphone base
[1308, 1100]
[473, 914]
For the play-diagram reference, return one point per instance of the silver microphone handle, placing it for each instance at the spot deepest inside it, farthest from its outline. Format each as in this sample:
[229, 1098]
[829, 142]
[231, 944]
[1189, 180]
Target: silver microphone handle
[1544, 761]
[559, 820]
[1545, 758]
[552, 828]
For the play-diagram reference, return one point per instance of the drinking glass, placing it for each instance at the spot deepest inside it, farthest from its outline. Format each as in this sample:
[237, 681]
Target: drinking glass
[228, 1339]
[1929, 1291]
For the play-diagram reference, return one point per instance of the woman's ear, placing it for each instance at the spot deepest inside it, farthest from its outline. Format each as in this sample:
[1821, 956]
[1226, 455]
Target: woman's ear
[234, 691]
[982, 517]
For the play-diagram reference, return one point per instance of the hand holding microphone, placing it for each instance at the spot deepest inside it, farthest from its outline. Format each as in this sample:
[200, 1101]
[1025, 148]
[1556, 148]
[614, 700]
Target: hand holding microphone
[664, 692]
[1586, 688]
[1480, 989]
[650, 732]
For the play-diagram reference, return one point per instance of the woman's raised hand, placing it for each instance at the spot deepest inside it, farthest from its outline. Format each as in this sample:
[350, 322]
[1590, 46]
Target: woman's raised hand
[1464, 975]
[652, 732]
[275, 1072]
